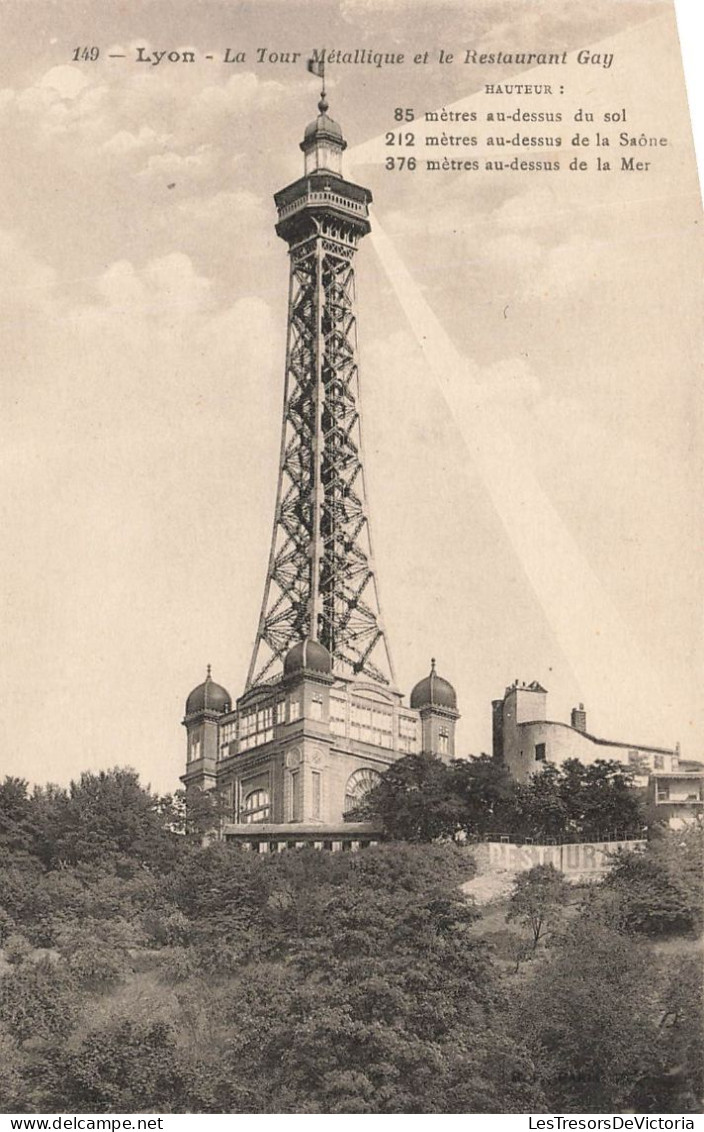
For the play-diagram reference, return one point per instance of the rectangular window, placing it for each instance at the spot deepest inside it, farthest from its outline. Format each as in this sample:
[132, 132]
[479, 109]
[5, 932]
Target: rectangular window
[281, 711]
[228, 732]
[382, 728]
[294, 710]
[361, 726]
[540, 752]
[316, 707]
[338, 721]
[663, 792]
[295, 795]
[267, 723]
[639, 762]
[658, 762]
[407, 734]
[317, 794]
[257, 726]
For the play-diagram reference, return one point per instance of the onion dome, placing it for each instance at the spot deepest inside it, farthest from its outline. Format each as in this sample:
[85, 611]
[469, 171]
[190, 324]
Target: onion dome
[308, 656]
[433, 691]
[208, 696]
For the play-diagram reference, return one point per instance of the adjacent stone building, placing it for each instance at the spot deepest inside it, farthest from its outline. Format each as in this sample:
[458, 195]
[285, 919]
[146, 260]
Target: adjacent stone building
[526, 739]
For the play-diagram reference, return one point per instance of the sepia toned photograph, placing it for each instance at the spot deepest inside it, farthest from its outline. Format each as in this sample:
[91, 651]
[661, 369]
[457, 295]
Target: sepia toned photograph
[353, 753]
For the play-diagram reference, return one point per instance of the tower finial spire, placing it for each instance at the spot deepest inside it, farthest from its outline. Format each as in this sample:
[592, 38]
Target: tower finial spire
[316, 66]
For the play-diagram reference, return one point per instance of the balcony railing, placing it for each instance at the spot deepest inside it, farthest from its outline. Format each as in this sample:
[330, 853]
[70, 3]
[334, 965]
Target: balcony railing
[323, 196]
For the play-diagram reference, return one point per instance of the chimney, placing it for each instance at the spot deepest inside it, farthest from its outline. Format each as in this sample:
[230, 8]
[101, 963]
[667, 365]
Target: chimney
[579, 718]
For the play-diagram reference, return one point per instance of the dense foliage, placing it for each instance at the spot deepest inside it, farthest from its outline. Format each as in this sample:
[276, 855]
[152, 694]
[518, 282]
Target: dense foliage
[143, 971]
[420, 798]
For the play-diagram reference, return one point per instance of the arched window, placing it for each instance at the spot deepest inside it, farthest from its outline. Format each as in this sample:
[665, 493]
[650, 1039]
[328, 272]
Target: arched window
[256, 807]
[358, 785]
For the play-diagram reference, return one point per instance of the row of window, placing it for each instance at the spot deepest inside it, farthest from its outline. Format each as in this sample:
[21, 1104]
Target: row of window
[366, 724]
[256, 726]
[373, 725]
[668, 793]
[640, 761]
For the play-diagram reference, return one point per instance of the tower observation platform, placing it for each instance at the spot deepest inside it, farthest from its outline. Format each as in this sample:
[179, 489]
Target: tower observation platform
[320, 718]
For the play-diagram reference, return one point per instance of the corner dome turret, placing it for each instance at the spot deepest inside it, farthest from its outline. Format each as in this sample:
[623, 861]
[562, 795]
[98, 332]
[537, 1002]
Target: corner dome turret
[434, 691]
[308, 656]
[208, 696]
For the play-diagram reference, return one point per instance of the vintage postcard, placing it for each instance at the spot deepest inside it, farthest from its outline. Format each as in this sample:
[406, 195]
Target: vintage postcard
[353, 759]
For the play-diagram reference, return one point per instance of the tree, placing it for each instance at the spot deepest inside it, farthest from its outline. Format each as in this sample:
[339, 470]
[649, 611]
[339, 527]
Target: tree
[38, 1000]
[108, 816]
[420, 798]
[197, 813]
[18, 831]
[124, 1066]
[578, 801]
[416, 799]
[13, 1085]
[591, 1012]
[390, 1004]
[538, 899]
[542, 805]
[611, 800]
[659, 891]
[676, 1083]
[486, 793]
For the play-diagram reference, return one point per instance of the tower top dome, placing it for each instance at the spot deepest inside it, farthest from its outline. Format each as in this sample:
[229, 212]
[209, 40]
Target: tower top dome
[433, 691]
[323, 143]
[323, 127]
[308, 656]
[208, 696]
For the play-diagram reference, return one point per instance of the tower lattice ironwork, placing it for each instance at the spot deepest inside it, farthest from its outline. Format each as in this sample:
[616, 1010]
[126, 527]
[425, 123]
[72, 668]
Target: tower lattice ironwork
[320, 580]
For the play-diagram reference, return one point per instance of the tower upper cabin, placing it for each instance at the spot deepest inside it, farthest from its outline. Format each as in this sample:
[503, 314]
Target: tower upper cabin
[322, 195]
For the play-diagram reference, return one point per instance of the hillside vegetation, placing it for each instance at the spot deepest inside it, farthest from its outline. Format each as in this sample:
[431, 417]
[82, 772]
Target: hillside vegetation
[142, 971]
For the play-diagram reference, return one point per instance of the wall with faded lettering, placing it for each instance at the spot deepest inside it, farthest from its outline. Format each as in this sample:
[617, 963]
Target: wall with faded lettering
[577, 862]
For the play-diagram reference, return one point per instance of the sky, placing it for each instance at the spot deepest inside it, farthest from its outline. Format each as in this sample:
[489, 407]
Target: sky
[529, 366]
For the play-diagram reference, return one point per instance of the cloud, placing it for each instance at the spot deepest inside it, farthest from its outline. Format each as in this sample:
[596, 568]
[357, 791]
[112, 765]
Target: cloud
[221, 208]
[125, 142]
[68, 82]
[138, 113]
[231, 97]
[170, 167]
[164, 288]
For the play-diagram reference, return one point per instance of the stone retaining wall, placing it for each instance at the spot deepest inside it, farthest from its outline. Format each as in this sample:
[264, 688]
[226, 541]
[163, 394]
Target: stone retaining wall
[578, 862]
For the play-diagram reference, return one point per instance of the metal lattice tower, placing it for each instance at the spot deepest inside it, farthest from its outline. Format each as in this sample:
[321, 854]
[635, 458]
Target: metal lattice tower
[320, 580]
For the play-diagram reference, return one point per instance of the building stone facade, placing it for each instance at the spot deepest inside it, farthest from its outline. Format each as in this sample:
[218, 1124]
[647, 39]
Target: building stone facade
[302, 750]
